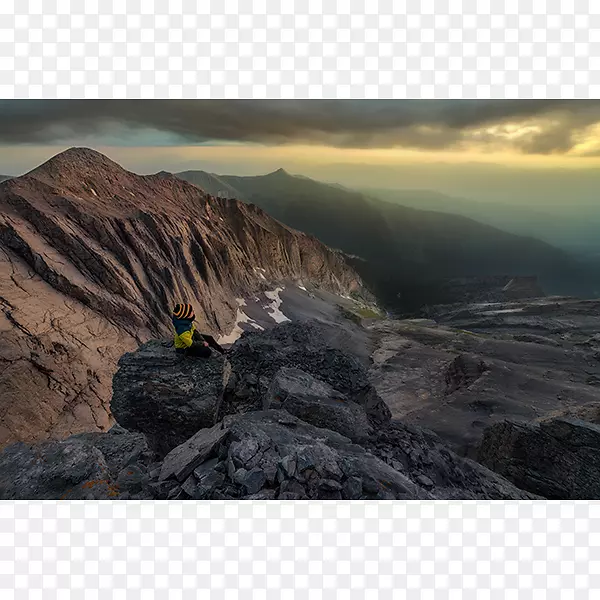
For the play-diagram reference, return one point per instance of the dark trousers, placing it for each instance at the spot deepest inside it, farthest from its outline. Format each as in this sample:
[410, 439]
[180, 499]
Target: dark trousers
[210, 340]
[198, 349]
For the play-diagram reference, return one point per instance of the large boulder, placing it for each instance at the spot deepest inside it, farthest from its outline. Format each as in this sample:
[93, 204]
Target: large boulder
[181, 461]
[308, 346]
[423, 458]
[272, 454]
[167, 396]
[557, 459]
[317, 403]
[68, 469]
[120, 448]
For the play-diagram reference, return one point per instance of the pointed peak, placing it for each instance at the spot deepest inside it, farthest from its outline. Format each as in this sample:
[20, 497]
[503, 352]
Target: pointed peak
[83, 161]
[279, 173]
[81, 152]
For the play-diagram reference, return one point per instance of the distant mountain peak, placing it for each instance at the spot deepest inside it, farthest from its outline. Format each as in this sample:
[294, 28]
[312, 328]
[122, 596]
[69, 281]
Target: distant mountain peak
[279, 173]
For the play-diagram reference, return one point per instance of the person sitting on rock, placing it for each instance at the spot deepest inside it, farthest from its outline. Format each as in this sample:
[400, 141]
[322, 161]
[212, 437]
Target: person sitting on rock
[187, 339]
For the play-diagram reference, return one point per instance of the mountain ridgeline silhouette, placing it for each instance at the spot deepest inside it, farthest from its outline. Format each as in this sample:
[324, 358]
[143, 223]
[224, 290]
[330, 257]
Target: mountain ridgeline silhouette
[404, 254]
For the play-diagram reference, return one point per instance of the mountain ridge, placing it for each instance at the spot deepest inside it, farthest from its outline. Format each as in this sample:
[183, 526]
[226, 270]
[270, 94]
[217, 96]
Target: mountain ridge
[566, 231]
[426, 247]
[93, 258]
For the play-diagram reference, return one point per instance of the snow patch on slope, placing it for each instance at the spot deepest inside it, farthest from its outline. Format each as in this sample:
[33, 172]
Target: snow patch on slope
[241, 317]
[273, 309]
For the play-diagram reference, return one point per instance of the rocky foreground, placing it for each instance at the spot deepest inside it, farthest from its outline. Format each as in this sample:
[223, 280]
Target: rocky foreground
[289, 414]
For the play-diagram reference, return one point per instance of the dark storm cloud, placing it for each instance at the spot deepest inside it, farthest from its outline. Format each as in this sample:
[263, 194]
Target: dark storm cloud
[427, 124]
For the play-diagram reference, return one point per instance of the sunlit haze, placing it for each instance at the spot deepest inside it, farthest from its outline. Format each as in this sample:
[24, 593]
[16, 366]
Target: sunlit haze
[539, 154]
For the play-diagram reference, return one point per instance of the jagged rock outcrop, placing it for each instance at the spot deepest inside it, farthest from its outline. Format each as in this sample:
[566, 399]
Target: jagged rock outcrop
[92, 258]
[276, 455]
[311, 347]
[272, 454]
[169, 397]
[421, 455]
[558, 458]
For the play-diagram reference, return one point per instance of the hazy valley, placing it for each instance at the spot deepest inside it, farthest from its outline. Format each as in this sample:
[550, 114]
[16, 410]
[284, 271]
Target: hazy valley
[407, 255]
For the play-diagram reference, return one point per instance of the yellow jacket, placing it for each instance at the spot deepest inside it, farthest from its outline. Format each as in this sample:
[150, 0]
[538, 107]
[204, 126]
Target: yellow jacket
[184, 333]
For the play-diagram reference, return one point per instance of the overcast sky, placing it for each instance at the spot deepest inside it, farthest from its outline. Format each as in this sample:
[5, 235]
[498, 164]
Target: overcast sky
[448, 145]
[528, 126]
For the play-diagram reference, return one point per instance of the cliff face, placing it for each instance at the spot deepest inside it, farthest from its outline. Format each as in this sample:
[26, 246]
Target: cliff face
[92, 258]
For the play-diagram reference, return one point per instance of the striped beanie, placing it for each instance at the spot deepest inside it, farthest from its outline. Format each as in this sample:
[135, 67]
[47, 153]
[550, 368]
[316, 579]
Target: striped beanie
[183, 311]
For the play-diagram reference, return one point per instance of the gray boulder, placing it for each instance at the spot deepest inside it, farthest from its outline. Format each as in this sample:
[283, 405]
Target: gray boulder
[317, 403]
[462, 372]
[257, 357]
[120, 448]
[557, 459]
[84, 466]
[166, 396]
[183, 459]
[65, 470]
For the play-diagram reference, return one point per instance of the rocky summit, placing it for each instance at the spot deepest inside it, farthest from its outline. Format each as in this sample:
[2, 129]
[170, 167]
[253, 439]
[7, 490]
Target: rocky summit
[289, 413]
[93, 259]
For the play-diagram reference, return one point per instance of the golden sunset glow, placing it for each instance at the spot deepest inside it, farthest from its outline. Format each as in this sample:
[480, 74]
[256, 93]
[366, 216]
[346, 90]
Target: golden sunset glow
[537, 153]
